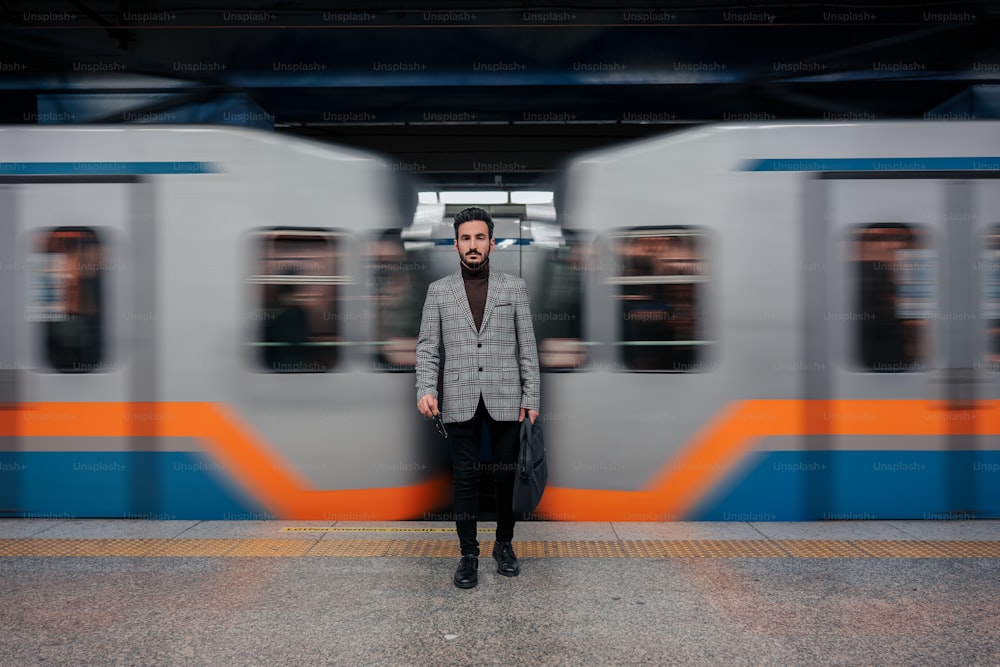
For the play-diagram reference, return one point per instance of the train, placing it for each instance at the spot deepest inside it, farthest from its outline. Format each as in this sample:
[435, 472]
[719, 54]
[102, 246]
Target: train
[736, 322]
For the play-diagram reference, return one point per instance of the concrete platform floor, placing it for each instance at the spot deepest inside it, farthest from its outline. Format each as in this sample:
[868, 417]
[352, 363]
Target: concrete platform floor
[95, 592]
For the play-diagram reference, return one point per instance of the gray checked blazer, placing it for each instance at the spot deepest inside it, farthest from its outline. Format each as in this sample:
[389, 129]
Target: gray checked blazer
[500, 360]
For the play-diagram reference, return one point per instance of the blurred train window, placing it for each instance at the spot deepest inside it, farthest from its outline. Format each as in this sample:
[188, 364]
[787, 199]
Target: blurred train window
[399, 279]
[67, 298]
[896, 296]
[558, 301]
[298, 300]
[660, 290]
[989, 267]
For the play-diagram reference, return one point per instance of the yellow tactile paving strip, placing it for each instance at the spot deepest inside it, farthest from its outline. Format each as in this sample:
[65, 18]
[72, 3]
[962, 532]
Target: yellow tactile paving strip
[440, 548]
[889, 549]
[826, 549]
[704, 549]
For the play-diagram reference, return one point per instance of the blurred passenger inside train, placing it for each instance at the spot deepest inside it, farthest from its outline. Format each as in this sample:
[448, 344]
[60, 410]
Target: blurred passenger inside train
[659, 278]
[399, 282]
[894, 297]
[299, 300]
[286, 330]
[74, 331]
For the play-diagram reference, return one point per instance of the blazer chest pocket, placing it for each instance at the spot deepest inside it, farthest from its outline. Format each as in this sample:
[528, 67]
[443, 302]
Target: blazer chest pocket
[504, 312]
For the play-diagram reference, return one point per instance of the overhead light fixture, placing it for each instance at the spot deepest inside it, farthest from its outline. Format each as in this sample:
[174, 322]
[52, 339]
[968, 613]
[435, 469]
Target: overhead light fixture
[531, 197]
[474, 197]
[486, 197]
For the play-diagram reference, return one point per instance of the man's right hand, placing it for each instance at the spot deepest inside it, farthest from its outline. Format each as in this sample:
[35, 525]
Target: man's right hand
[428, 405]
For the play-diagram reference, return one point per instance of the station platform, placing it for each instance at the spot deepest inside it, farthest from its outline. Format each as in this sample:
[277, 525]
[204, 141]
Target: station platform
[132, 592]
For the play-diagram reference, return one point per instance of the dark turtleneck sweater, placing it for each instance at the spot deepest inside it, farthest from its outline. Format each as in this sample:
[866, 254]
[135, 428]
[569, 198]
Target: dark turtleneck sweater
[476, 283]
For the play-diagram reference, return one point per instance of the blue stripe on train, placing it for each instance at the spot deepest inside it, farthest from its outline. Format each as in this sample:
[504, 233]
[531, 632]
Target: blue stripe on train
[769, 486]
[988, 163]
[104, 168]
[130, 485]
[858, 485]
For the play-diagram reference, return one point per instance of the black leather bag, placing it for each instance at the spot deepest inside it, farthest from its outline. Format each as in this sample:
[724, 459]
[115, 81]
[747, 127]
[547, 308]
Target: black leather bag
[532, 471]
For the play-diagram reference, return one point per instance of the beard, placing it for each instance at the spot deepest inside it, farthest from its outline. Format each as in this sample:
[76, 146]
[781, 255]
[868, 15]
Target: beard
[476, 263]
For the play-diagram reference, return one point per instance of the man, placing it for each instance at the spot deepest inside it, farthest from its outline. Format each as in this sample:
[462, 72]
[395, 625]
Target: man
[490, 374]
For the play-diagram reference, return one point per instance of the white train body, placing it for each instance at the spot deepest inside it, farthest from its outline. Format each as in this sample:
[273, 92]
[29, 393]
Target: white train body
[782, 322]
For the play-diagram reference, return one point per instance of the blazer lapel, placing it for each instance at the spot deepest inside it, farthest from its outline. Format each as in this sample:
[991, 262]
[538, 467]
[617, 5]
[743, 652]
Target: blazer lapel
[458, 291]
[492, 287]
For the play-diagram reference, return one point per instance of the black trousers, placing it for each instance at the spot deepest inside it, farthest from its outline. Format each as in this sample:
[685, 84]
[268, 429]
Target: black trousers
[505, 439]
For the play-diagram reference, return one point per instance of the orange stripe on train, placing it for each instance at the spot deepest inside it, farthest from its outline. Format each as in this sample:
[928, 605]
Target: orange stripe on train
[711, 455]
[671, 493]
[258, 470]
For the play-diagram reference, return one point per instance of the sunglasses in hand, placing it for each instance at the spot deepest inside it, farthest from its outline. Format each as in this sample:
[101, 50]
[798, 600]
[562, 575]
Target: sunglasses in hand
[439, 424]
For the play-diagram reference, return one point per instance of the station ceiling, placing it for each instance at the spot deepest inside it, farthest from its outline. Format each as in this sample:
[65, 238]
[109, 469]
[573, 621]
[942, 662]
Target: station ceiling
[475, 92]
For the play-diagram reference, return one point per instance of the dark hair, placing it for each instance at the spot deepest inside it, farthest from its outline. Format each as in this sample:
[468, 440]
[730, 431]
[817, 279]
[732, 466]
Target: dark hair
[473, 213]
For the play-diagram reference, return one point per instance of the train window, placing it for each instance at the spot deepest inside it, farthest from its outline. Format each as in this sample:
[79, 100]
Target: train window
[660, 292]
[896, 296]
[298, 300]
[399, 279]
[558, 300]
[67, 298]
[989, 268]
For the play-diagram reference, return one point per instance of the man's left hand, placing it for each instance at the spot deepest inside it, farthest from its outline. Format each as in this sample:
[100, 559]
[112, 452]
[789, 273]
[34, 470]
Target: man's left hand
[532, 415]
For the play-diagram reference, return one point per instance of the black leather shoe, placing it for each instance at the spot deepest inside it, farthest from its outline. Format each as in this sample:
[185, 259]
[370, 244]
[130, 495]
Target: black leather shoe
[507, 565]
[467, 574]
